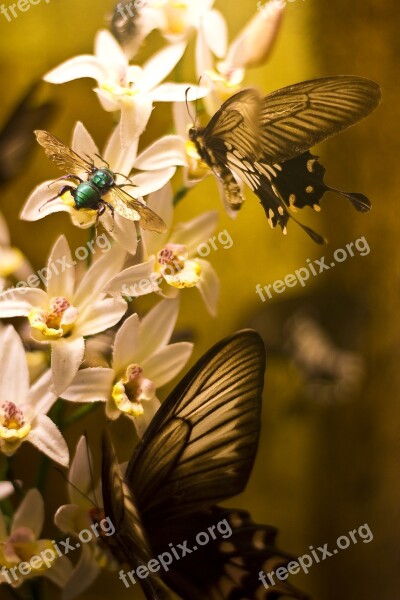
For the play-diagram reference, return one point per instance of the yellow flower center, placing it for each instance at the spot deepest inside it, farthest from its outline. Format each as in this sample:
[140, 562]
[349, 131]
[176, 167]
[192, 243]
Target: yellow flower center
[13, 426]
[20, 547]
[175, 16]
[121, 90]
[54, 323]
[226, 83]
[129, 392]
[176, 268]
[197, 168]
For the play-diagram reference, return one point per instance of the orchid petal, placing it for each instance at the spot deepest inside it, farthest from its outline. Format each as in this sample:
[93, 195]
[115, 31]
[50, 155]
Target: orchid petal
[161, 203]
[109, 52]
[85, 572]
[38, 206]
[151, 181]
[18, 302]
[47, 438]
[167, 151]
[167, 362]
[60, 571]
[157, 327]
[215, 32]
[90, 385]
[160, 65]
[178, 92]
[208, 286]
[14, 374]
[96, 278]
[61, 279]
[135, 113]
[126, 344]
[40, 395]
[101, 315]
[83, 143]
[66, 358]
[134, 281]
[195, 232]
[30, 513]
[85, 65]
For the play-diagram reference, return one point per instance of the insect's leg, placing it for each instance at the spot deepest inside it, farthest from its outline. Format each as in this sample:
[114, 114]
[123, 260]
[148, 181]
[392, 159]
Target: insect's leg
[65, 188]
[104, 161]
[122, 175]
[112, 211]
[101, 211]
[66, 177]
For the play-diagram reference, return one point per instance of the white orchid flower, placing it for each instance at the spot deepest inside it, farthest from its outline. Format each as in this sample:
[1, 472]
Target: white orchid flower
[251, 48]
[143, 361]
[129, 88]
[170, 261]
[84, 510]
[22, 554]
[121, 161]
[65, 314]
[24, 408]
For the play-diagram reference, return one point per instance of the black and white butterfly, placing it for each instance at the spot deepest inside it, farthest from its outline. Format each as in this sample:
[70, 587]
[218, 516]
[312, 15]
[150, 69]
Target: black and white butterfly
[198, 450]
[265, 142]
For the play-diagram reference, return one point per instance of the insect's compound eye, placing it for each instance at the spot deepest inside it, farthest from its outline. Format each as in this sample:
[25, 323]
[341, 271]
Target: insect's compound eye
[192, 134]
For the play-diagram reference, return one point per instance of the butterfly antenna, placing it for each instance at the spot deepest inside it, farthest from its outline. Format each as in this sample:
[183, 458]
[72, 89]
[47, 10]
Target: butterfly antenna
[74, 486]
[187, 106]
[197, 101]
[89, 459]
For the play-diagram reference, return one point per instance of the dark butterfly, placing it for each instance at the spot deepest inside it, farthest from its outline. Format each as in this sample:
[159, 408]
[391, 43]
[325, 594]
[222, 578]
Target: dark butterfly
[198, 450]
[265, 141]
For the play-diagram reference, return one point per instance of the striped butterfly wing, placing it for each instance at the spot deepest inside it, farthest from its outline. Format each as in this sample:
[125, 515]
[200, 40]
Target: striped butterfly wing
[237, 123]
[200, 449]
[223, 564]
[297, 117]
[201, 444]
[130, 544]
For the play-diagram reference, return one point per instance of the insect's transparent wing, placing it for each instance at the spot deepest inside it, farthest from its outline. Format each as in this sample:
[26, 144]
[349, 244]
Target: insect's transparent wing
[297, 117]
[129, 544]
[237, 124]
[135, 210]
[219, 400]
[62, 155]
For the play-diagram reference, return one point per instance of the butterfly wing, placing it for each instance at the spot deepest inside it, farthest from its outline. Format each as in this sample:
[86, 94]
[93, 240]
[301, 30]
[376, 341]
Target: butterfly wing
[297, 117]
[62, 155]
[129, 544]
[135, 210]
[218, 405]
[227, 566]
[237, 124]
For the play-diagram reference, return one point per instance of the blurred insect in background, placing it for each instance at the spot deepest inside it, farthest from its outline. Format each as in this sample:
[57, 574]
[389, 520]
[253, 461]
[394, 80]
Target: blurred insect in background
[100, 182]
[329, 368]
[264, 143]
[199, 449]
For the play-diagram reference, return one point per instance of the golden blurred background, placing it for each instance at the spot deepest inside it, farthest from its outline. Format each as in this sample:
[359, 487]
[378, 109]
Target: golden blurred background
[324, 467]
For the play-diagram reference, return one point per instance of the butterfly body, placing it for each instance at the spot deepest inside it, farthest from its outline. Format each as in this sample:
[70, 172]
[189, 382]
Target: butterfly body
[100, 183]
[198, 450]
[265, 142]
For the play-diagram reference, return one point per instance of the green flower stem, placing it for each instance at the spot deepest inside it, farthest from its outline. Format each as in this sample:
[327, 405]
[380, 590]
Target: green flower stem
[180, 194]
[80, 413]
[92, 235]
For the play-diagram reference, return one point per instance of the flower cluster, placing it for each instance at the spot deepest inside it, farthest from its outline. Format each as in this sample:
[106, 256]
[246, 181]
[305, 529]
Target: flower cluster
[81, 338]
